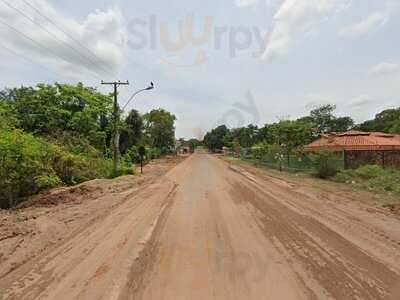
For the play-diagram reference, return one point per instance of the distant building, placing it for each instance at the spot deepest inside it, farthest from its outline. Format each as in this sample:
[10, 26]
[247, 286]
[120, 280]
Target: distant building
[181, 148]
[360, 148]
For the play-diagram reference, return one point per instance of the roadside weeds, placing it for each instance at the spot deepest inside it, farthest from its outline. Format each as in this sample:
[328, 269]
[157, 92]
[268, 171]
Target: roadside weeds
[350, 191]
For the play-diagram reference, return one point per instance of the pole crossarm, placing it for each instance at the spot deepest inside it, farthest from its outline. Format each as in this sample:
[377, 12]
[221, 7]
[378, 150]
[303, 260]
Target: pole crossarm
[115, 82]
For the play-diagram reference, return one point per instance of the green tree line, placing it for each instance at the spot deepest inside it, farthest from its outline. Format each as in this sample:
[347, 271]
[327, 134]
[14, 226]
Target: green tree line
[294, 134]
[59, 134]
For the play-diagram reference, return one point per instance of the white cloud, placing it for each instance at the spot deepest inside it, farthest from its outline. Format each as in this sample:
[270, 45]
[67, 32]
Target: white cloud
[384, 68]
[102, 32]
[296, 17]
[365, 26]
[243, 3]
[360, 101]
[372, 21]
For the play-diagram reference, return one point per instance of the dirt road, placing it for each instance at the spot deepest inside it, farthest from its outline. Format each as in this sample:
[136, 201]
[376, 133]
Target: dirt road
[208, 230]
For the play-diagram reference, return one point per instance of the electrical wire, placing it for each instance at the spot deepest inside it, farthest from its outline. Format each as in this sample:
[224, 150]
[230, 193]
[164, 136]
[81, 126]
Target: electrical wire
[36, 42]
[85, 58]
[65, 32]
[28, 59]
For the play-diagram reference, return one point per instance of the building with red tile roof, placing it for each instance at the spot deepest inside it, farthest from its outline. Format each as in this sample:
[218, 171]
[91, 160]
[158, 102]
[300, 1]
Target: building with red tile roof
[360, 148]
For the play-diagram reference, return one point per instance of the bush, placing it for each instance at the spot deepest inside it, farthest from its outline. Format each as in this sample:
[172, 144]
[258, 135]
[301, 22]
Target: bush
[264, 150]
[47, 181]
[324, 164]
[132, 155]
[153, 153]
[369, 172]
[124, 169]
[373, 178]
[22, 158]
[29, 164]
[76, 168]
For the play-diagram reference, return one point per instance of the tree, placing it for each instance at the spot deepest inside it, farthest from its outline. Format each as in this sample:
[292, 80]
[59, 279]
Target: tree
[60, 109]
[131, 131]
[395, 128]
[160, 129]
[244, 136]
[341, 124]
[292, 134]
[386, 121]
[264, 134]
[214, 139]
[193, 144]
[7, 118]
[324, 120]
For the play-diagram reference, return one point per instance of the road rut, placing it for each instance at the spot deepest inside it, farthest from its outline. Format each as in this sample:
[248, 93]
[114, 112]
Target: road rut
[208, 230]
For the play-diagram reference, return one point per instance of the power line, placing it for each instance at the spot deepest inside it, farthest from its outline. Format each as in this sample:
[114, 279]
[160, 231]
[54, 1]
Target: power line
[28, 59]
[36, 42]
[57, 38]
[126, 57]
[65, 32]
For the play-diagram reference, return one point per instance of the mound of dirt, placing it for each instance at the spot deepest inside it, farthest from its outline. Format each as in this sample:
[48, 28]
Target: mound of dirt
[395, 208]
[52, 216]
[66, 195]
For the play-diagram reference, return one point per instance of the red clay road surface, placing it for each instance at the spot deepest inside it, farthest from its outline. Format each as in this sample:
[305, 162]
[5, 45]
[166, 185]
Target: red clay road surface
[208, 230]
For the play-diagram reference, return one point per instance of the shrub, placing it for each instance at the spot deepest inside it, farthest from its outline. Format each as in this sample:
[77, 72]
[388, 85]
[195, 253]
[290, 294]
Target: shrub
[373, 178]
[345, 176]
[263, 150]
[123, 170]
[22, 158]
[324, 164]
[132, 155]
[153, 153]
[369, 171]
[29, 164]
[47, 181]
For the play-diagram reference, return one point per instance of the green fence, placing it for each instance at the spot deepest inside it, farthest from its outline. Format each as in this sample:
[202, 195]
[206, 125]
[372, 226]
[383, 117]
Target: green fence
[299, 162]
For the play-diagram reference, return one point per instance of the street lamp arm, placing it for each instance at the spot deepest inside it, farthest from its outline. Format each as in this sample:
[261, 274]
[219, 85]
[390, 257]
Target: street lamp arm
[137, 92]
[133, 95]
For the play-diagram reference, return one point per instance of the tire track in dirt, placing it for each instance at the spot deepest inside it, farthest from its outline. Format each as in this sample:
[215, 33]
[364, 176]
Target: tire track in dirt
[207, 231]
[145, 259]
[341, 267]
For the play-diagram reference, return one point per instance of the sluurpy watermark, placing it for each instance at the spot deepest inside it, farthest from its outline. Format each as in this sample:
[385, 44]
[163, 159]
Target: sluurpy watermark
[196, 33]
[241, 113]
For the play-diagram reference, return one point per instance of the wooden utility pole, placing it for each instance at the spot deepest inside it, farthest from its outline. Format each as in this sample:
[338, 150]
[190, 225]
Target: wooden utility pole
[116, 153]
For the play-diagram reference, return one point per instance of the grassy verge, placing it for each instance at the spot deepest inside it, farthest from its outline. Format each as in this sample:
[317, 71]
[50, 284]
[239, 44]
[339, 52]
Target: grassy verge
[368, 184]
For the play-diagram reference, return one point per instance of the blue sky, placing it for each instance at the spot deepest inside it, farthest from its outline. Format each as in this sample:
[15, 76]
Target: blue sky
[284, 56]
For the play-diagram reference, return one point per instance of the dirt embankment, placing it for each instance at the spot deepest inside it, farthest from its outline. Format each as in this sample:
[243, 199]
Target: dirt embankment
[47, 218]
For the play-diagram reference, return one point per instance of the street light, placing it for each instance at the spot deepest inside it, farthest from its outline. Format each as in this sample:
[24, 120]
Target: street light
[150, 87]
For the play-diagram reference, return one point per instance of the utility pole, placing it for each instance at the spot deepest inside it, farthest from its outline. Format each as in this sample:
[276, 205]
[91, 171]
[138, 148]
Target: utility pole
[116, 153]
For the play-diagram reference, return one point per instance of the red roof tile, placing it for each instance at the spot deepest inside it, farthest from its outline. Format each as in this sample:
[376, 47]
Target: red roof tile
[356, 140]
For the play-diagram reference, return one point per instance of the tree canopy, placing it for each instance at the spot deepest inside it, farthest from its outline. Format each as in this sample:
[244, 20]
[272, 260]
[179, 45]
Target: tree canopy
[386, 121]
[294, 134]
[61, 134]
[325, 121]
[159, 129]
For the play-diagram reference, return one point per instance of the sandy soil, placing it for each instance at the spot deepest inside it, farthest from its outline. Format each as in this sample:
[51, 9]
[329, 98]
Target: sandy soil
[210, 230]
[46, 219]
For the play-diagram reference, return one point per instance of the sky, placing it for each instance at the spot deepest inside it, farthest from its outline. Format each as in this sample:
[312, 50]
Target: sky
[212, 62]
